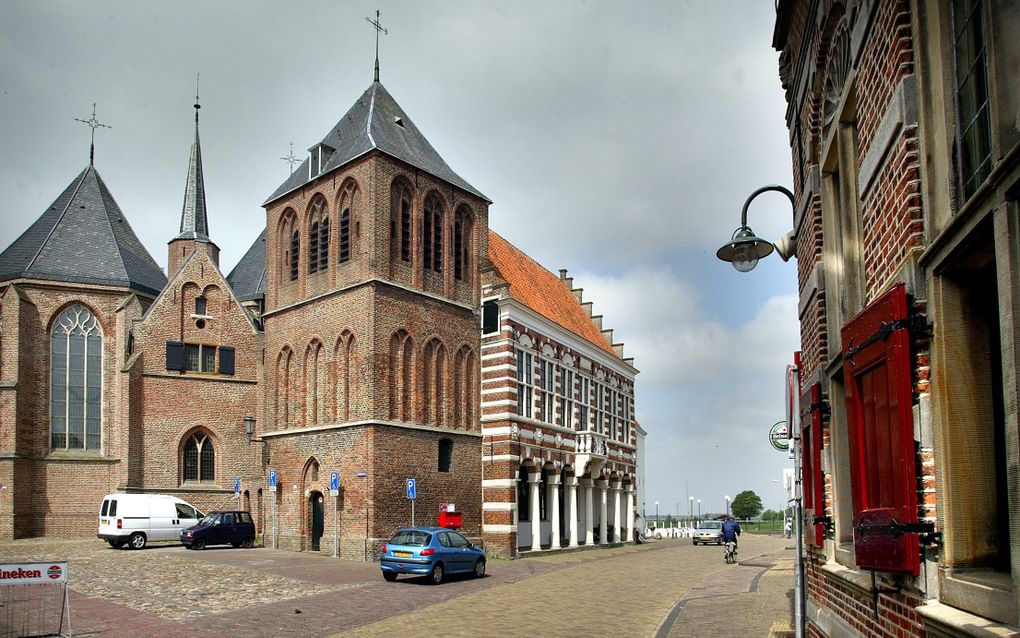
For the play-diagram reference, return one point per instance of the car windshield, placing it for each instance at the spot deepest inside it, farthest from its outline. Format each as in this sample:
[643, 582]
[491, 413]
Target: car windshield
[710, 525]
[411, 537]
[209, 519]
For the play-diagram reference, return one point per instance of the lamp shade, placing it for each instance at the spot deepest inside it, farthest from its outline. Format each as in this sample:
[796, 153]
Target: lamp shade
[745, 249]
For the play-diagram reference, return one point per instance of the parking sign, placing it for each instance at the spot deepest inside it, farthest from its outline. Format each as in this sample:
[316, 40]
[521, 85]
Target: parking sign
[334, 483]
[272, 477]
[237, 486]
[412, 489]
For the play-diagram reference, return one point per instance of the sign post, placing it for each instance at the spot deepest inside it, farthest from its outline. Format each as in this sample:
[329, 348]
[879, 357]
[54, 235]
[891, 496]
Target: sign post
[272, 486]
[334, 490]
[412, 494]
[237, 492]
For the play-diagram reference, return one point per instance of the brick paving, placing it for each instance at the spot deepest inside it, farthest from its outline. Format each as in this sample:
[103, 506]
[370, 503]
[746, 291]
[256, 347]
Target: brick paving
[666, 588]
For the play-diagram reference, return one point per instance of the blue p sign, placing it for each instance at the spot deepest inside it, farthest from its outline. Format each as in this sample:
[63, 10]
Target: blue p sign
[272, 478]
[334, 480]
[237, 486]
[412, 489]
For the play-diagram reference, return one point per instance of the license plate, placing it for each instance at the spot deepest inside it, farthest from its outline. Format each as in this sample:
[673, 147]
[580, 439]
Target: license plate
[102, 521]
[402, 554]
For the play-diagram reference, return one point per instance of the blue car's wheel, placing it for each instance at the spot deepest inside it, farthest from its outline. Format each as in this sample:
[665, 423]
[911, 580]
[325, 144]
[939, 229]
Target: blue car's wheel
[480, 568]
[436, 576]
[389, 576]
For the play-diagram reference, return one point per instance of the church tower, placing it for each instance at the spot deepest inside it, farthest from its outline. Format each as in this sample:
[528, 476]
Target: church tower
[194, 233]
[373, 251]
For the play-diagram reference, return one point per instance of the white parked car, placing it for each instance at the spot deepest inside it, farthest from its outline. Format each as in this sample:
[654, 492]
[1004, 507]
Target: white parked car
[136, 519]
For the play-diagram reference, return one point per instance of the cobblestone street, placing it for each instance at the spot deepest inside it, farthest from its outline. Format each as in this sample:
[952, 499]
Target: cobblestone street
[666, 588]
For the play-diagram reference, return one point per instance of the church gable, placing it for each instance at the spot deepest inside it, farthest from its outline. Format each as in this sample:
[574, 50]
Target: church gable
[197, 326]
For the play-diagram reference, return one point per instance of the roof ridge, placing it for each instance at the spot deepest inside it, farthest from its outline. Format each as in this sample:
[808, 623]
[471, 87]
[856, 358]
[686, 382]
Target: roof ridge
[113, 232]
[368, 120]
[81, 180]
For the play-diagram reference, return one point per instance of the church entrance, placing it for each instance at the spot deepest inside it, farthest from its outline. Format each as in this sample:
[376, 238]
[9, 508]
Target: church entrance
[316, 527]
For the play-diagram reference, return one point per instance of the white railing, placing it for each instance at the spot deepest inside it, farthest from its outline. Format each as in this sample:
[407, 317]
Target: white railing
[592, 443]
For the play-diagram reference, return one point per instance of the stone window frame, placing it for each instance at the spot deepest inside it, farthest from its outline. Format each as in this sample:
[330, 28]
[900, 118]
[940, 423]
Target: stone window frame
[76, 320]
[201, 438]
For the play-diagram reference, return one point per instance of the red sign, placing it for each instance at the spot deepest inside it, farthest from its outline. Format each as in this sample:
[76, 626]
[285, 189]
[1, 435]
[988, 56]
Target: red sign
[32, 573]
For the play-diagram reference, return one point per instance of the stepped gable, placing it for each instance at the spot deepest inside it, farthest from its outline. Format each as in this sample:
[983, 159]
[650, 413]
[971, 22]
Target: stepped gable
[83, 237]
[376, 122]
[543, 291]
[248, 278]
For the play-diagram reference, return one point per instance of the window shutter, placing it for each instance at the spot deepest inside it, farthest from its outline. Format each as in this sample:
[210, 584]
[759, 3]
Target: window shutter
[877, 373]
[226, 360]
[490, 317]
[174, 355]
[811, 464]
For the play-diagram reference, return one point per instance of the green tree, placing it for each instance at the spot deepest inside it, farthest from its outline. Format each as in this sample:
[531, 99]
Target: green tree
[746, 505]
[770, 515]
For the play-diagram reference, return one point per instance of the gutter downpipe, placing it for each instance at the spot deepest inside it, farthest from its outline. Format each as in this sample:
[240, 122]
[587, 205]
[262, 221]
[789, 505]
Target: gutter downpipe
[798, 500]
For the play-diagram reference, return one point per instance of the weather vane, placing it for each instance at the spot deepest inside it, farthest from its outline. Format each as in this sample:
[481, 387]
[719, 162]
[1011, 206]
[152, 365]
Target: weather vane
[290, 159]
[378, 29]
[92, 123]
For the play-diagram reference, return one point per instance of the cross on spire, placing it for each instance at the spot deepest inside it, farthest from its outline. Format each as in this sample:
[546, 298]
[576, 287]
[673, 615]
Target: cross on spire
[198, 77]
[290, 159]
[92, 123]
[378, 29]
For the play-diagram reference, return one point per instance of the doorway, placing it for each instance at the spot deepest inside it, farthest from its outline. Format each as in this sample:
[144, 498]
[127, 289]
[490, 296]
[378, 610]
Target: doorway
[317, 523]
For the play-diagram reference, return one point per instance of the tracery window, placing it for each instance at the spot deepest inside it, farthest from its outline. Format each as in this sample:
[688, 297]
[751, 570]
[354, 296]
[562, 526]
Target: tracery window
[76, 380]
[318, 235]
[199, 458]
[345, 235]
[432, 244]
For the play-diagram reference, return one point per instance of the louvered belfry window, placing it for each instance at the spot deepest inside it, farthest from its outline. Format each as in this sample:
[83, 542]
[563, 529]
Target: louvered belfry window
[295, 246]
[345, 235]
[877, 373]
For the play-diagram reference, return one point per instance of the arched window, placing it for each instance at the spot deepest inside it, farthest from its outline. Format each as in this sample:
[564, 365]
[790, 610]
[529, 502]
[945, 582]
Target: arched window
[445, 455]
[434, 377]
[283, 374]
[345, 235]
[318, 235]
[462, 244]
[76, 380]
[405, 225]
[432, 237]
[401, 360]
[313, 248]
[295, 254]
[199, 459]
[324, 245]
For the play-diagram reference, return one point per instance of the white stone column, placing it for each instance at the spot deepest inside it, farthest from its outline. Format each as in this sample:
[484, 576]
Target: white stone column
[571, 483]
[603, 510]
[552, 499]
[630, 514]
[589, 515]
[616, 512]
[534, 480]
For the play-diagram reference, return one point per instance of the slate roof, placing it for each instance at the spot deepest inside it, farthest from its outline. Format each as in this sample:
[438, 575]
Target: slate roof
[372, 124]
[543, 291]
[248, 278]
[194, 218]
[85, 238]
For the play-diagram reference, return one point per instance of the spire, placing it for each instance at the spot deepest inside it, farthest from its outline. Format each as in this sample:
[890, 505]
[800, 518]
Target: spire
[378, 29]
[194, 222]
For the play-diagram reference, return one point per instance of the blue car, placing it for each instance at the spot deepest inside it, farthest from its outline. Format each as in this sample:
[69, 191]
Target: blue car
[430, 551]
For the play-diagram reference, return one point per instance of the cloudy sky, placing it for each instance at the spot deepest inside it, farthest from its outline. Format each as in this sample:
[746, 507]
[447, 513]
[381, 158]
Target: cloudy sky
[616, 139]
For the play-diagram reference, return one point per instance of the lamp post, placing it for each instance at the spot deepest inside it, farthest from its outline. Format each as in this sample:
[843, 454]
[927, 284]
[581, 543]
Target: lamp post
[699, 511]
[690, 510]
[656, 514]
[745, 248]
[727, 505]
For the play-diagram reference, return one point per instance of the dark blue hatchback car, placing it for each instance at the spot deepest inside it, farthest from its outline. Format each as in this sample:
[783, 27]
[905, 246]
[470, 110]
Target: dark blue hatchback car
[221, 528]
[430, 551]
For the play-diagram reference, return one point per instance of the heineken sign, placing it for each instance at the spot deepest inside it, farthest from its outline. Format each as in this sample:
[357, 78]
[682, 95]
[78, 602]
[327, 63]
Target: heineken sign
[779, 437]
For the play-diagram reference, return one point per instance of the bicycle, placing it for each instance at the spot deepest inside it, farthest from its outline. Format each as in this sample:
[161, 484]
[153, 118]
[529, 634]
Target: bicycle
[731, 552]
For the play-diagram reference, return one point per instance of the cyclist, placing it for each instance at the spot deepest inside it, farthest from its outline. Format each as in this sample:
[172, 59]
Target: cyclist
[731, 530]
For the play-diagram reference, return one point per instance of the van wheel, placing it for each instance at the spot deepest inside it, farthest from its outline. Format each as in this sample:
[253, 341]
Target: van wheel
[137, 540]
[247, 543]
[116, 543]
[198, 544]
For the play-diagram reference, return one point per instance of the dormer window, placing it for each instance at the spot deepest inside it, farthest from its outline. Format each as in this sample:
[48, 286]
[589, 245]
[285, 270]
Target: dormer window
[318, 157]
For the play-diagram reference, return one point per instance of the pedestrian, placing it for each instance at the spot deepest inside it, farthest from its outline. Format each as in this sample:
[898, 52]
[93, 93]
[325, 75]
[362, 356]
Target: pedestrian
[789, 528]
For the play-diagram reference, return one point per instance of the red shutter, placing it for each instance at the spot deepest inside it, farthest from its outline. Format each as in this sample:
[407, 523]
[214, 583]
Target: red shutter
[811, 464]
[877, 371]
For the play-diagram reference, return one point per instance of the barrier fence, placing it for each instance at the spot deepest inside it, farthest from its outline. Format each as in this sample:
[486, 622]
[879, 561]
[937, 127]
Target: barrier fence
[34, 600]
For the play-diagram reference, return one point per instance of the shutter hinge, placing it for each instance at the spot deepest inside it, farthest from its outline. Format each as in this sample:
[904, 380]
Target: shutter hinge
[916, 324]
[926, 533]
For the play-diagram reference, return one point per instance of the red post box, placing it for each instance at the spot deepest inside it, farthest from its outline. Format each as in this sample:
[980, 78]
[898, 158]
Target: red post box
[450, 520]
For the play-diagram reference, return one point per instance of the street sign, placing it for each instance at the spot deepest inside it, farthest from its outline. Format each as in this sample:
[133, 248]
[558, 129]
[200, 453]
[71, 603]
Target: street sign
[412, 489]
[779, 437]
[272, 478]
[334, 483]
[237, 486]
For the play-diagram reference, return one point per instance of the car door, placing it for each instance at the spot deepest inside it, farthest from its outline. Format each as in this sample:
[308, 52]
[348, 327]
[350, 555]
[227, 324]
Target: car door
[451, 558]
[462, 549]
[225, 530]
[161, 517]
[186, 517]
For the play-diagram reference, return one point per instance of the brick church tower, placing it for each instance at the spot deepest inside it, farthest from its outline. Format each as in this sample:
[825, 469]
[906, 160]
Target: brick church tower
[373, 249]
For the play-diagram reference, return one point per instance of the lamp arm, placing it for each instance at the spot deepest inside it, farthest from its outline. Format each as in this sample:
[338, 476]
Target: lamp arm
[765, 189]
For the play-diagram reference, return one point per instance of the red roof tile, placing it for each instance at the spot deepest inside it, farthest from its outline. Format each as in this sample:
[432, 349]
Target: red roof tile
[543, 291]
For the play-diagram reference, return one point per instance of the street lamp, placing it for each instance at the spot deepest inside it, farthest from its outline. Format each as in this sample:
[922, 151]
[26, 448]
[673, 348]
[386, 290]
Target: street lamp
[249, 426]
[745, 248]
[727, 505]
[690, 510]
[699, 510]
[656, 514]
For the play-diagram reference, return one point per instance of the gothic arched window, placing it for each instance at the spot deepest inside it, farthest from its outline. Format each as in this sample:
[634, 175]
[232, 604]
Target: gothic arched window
[295, 253]
[345, 235]
[461, 244]
[432, 236]
[199, 459]
[76, 380]
[318, 235]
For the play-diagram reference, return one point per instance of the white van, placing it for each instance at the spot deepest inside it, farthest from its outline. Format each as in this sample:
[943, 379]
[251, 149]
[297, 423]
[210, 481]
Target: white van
[139, 518]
